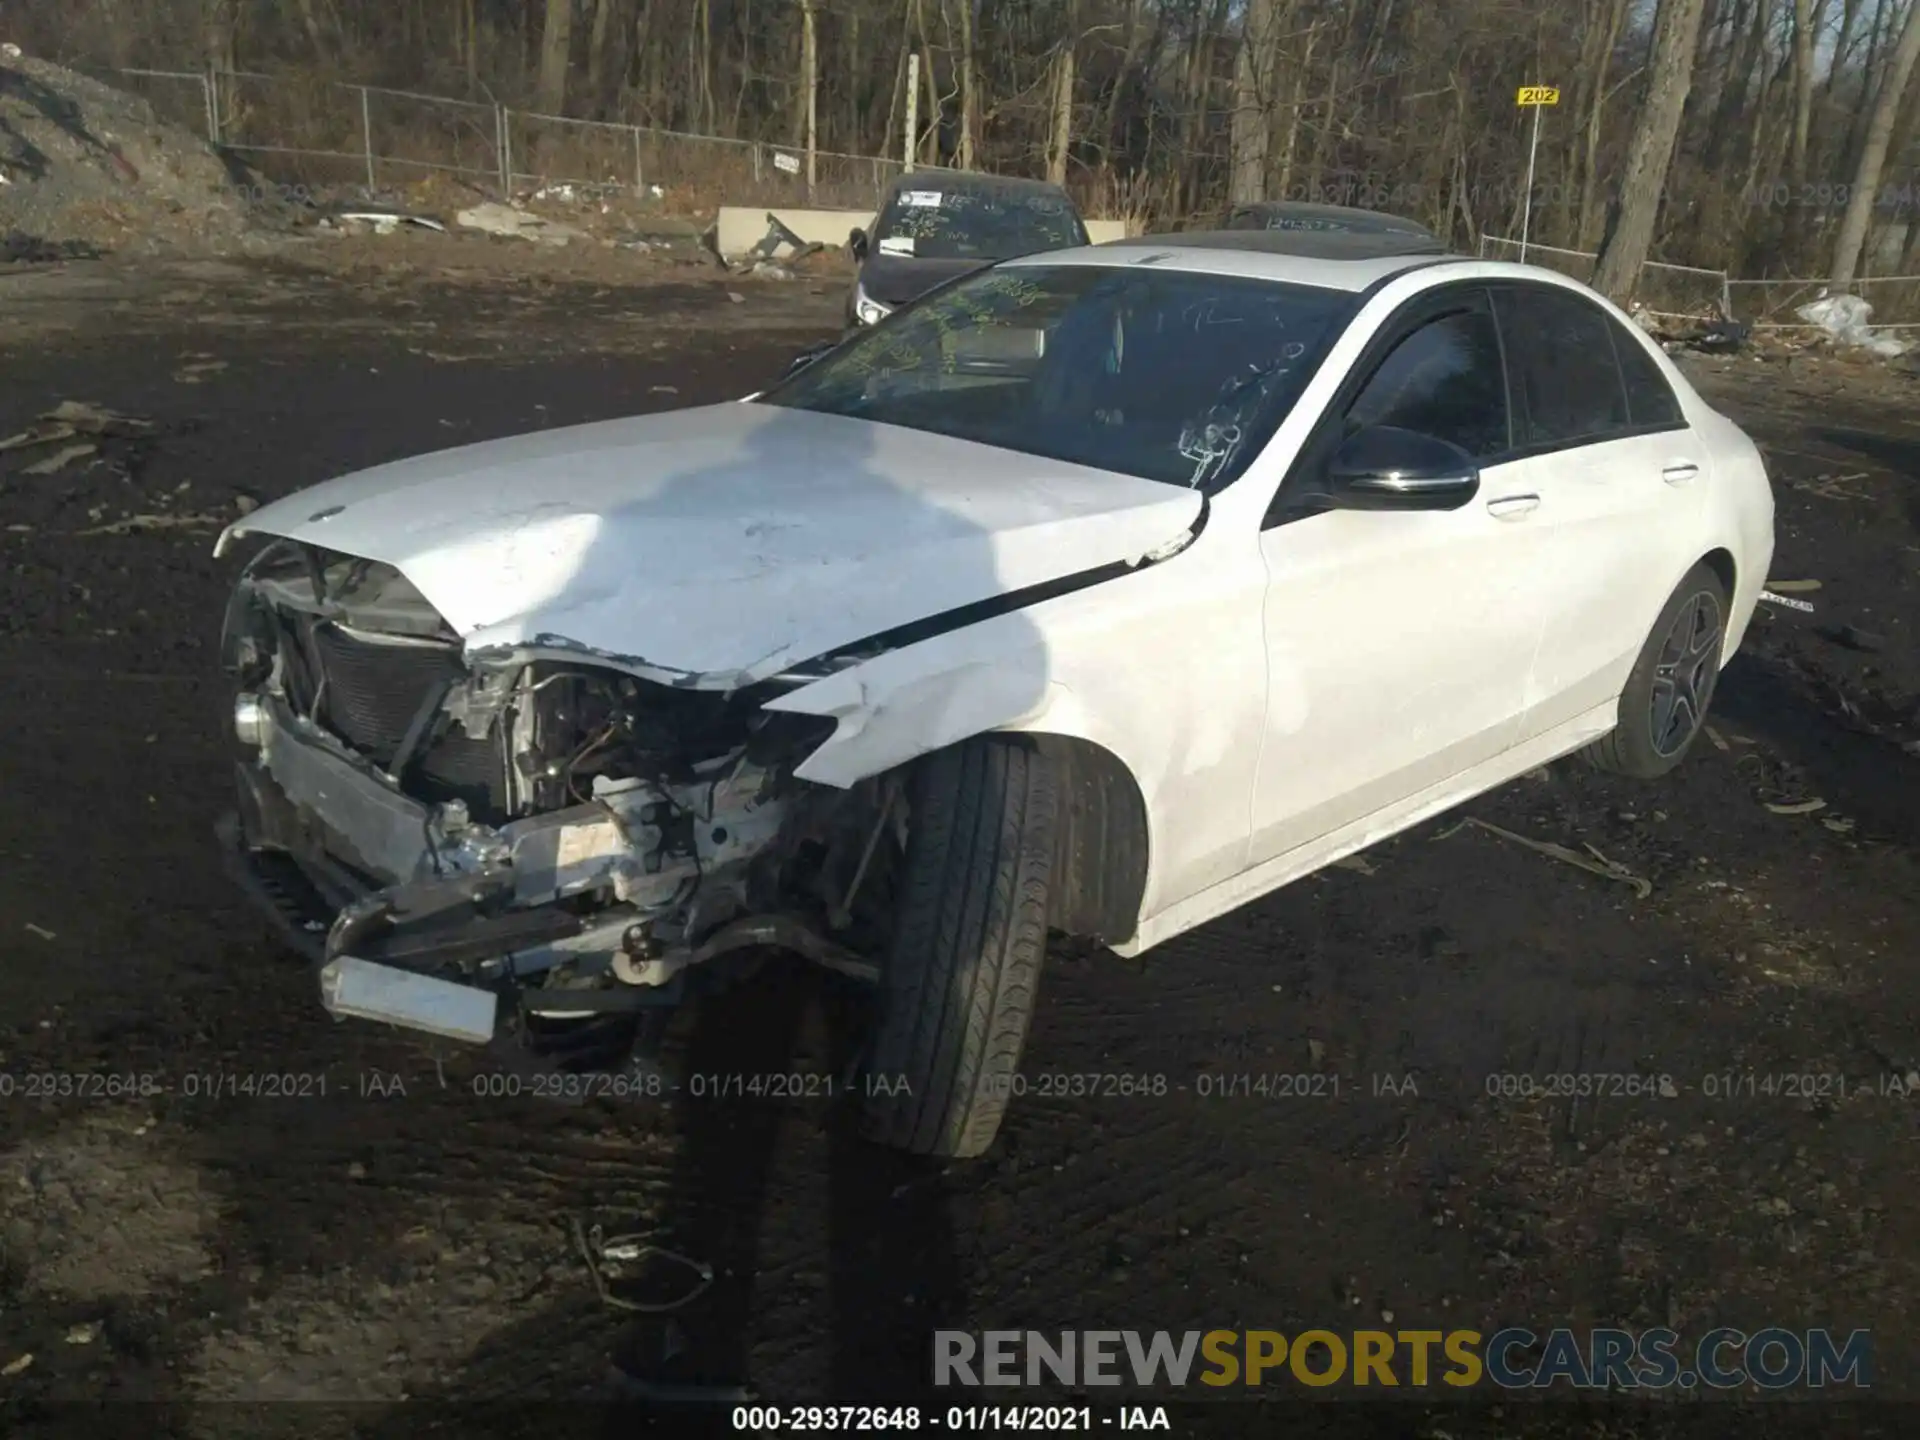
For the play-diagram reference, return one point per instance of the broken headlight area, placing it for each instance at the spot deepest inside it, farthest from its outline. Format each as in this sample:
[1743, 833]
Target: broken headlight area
[549, 845]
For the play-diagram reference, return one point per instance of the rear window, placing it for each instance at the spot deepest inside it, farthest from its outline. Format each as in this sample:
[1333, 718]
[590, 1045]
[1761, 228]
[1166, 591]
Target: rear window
[1651, 403]
[966, 223]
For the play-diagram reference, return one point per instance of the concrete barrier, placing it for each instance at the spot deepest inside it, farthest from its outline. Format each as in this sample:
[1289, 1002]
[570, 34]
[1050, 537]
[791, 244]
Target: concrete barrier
[741, 227]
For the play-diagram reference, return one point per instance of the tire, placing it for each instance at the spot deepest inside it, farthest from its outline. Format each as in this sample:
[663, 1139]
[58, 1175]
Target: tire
[1663, 707]
[958, 986]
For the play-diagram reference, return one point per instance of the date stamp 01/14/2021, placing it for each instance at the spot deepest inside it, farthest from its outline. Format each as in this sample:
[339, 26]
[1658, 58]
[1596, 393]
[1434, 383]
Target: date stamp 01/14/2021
[1805, 1085]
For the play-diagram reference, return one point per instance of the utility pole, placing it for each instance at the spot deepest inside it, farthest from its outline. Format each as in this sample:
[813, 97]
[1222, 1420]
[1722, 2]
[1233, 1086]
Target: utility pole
[1536, 98]
[810, 62]
[907, 147]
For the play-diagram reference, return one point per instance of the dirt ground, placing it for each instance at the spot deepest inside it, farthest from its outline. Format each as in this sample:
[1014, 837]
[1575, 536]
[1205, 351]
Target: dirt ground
[403, 1238]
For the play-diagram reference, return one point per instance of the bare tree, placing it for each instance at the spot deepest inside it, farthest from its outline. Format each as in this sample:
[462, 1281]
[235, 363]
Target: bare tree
[1644, 182]
[969, 93]
[1254, 72]
[1174, 105]
[1862, 198]
[1061, 143]
[556, 51]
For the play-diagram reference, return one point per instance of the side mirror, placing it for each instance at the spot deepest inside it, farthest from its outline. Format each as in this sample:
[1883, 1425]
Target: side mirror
[857, 243]
[807, 356]
[1386, 468]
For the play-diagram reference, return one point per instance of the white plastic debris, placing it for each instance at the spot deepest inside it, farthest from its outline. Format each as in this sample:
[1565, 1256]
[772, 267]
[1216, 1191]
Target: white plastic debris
[493, 218]
[1844, 317]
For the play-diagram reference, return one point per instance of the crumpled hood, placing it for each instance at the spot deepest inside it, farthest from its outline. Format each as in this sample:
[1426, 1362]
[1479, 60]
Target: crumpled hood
[723, 544]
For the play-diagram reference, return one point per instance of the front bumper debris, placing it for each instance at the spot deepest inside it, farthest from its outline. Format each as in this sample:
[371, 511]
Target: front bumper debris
[416, 918]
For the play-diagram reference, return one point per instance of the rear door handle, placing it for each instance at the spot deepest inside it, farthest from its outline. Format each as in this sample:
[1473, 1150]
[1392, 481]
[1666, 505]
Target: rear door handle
[1512, 507]
[1679, 472]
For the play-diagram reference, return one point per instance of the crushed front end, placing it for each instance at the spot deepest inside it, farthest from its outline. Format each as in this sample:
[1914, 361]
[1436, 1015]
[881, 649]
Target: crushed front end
[525, 850]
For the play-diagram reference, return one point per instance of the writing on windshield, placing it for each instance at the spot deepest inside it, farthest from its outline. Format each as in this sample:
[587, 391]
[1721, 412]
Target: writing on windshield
[1162, 374]
[968, 224]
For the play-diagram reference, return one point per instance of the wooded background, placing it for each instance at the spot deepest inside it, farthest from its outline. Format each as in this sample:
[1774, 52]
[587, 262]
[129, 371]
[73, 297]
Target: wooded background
[1753, 135]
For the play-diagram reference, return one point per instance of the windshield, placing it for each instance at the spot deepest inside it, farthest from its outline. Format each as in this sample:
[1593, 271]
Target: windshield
[975, 223]
[1161, 374]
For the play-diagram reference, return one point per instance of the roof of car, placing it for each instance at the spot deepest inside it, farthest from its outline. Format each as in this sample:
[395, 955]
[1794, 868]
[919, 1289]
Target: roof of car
[1308, 244]
[1333, 262]
[1330, 217]
[973, 180]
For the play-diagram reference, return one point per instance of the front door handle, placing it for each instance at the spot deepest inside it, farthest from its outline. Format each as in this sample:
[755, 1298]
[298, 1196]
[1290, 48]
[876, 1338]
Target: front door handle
[1679, 472]
[1512, 507]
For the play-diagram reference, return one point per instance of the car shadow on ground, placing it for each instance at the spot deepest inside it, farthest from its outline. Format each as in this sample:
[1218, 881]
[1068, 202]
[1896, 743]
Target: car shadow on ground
[1860, 773]
[1894, 453]
[892, 1273]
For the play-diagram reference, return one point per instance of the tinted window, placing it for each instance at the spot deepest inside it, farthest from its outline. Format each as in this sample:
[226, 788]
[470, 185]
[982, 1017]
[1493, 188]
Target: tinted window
[944, 222]
[1168, 375]
[1568, 382]
[1445, 380]
[1650, 400]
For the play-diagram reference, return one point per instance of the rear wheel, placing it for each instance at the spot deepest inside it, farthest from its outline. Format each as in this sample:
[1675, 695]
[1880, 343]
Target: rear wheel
[1663, 707]
[963, 968]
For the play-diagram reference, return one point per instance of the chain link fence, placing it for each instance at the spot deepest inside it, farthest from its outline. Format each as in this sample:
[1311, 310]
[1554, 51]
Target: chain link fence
[1771, 304]
[1672, 292]
[330, 132]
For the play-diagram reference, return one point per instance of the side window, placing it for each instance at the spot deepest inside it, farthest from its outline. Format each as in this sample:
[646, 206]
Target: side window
[1650, 399]
[1565, 373]
[1444, 379]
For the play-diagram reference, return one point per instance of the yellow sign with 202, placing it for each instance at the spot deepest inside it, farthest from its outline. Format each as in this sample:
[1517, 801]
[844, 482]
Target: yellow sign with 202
[1539, 95]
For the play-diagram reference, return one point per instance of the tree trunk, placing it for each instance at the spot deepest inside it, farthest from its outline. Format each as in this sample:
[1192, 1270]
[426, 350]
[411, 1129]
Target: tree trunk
[1630, 233]
[310, 22]
[1254, 71]
[1062, 142]
[1802, 92]
[930, 135]
[1857, 226]
[471, 36]
[969, 96]
[1842, 42]
[1325, 136]
[1296, 101]
[709, 111]
[1123, 82]
[1590, 167]
[1588, 76]
[1736, 86]
[1863, 106]
[597, 49]
[556, 49]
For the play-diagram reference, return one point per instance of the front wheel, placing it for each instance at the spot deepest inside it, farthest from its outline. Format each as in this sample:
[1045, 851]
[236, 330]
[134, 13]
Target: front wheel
[1663, 706]
[970, 931]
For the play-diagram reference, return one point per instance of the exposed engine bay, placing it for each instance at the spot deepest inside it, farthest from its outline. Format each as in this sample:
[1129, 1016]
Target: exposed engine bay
[564, 837]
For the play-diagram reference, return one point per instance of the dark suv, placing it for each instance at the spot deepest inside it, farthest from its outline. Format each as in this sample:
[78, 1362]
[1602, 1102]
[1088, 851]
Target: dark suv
[934, 225]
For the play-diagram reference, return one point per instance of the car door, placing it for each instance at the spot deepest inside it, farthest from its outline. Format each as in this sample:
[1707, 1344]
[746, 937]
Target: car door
[1399, 643]
[1622, 479]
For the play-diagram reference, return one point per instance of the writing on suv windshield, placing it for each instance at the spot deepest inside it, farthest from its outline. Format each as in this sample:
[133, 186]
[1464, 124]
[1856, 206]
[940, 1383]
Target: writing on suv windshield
[964, 224]
[1161, 374]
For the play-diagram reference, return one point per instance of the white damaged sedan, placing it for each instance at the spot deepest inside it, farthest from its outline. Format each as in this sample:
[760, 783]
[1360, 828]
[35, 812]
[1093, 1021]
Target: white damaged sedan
[1098, 593]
